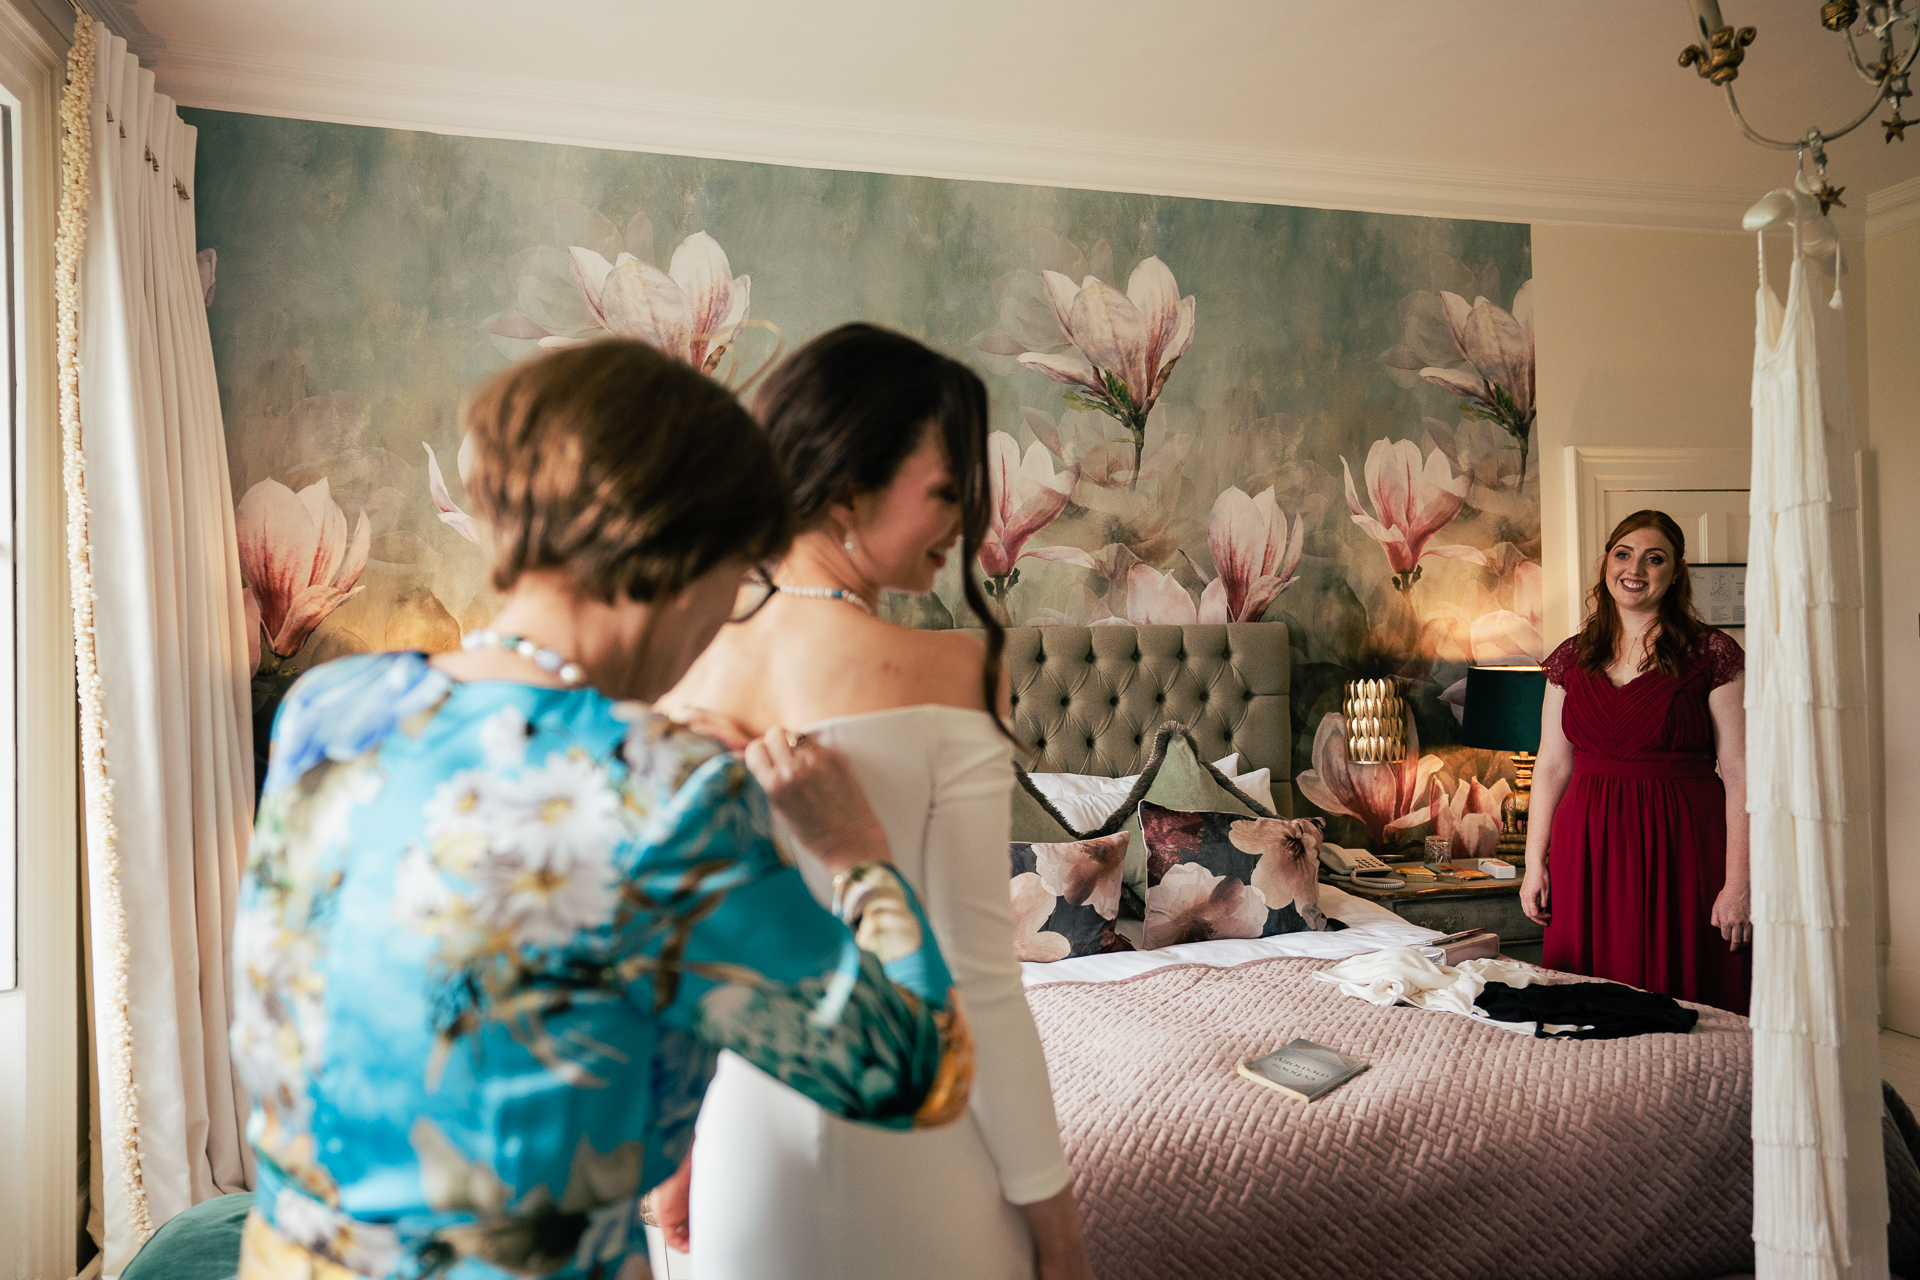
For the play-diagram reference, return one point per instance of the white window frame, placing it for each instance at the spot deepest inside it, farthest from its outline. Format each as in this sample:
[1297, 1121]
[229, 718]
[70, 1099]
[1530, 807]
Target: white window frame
[40, 1064]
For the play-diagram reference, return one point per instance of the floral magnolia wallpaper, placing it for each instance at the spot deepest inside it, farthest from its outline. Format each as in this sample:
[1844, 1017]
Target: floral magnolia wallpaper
[1201, 410]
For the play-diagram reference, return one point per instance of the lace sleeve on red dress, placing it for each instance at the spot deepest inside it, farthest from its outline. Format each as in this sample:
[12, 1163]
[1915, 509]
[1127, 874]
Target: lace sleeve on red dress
[1562, 660]
[1726, 660]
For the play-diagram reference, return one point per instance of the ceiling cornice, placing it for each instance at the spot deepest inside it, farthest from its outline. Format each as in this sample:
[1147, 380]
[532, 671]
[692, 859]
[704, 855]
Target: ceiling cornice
[439, 101]
[1892, 208]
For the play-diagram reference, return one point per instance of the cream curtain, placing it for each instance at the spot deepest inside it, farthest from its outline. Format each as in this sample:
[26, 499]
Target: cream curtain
[1820, 1201]
[169, 779]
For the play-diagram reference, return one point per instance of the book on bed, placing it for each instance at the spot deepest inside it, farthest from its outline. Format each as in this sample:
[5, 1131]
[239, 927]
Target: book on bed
[1303, 1070]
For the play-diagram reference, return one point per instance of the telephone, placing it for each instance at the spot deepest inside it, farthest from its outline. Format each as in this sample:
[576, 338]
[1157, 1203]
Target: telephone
[1359, 866]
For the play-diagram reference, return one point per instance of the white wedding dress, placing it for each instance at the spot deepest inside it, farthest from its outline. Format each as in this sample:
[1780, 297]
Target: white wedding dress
[784, 1191]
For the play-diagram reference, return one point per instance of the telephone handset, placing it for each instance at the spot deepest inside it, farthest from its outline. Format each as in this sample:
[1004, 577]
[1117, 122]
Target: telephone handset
[1359, 866]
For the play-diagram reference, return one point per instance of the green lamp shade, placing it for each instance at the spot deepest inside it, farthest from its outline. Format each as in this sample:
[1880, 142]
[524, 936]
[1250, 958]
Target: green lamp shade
[1503, 708]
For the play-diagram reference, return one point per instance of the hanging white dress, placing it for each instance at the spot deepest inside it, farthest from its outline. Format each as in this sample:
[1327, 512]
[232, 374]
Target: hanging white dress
[1817, 1214]
[784, 1191]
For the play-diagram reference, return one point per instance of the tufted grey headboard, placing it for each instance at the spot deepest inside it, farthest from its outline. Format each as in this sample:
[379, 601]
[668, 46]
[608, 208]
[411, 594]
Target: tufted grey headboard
[1088, 699]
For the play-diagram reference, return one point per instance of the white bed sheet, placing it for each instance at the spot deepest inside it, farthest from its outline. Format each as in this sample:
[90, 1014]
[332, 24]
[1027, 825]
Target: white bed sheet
[1370, 927]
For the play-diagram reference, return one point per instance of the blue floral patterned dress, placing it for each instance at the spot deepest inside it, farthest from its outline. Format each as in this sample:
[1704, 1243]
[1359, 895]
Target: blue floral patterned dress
[491, 939]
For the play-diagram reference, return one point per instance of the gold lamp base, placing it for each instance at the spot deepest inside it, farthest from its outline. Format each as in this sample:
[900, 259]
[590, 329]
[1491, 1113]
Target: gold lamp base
[1518, 807]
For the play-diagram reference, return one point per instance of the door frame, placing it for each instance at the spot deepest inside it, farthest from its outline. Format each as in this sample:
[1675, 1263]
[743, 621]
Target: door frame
[1593, 471]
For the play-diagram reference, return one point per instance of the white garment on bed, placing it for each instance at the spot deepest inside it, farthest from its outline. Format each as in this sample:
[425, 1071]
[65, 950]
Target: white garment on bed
[1369, 928]
[783, 1191]
[1401, 975]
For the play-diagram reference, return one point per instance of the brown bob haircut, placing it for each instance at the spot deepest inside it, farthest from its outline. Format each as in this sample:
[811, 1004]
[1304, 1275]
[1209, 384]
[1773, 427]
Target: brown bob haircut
[624, 467]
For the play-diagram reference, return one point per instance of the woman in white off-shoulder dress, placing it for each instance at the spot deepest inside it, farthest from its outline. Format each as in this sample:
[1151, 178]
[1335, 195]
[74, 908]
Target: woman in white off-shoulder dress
[885, 443]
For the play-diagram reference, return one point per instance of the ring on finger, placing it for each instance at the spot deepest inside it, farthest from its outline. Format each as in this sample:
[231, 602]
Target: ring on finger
[796, 740]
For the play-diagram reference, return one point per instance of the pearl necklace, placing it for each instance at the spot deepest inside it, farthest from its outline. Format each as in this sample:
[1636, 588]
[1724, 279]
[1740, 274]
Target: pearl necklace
[853, 598]
[551, 661]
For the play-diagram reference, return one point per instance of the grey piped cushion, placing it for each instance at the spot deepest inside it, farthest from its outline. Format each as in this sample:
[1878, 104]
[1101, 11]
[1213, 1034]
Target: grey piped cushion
[1089, 699]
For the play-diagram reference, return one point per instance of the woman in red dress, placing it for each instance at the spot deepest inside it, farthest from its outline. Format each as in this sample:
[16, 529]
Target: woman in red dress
[1648, 880]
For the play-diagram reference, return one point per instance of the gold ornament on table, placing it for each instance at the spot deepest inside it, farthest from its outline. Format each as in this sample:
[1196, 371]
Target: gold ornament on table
[1376, 722]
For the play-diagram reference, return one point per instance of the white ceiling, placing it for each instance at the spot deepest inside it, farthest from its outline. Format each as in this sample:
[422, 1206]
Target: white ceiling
[1556, 109]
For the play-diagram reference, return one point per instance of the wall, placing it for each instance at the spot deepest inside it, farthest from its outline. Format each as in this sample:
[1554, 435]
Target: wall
[1645, 339]
[1893, 436]
[367, 278]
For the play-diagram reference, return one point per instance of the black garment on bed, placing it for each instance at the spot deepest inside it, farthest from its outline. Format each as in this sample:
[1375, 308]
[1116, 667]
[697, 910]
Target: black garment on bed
[1596, 1010]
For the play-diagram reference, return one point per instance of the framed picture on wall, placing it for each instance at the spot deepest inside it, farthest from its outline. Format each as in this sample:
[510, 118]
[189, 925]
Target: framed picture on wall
[1720, 594]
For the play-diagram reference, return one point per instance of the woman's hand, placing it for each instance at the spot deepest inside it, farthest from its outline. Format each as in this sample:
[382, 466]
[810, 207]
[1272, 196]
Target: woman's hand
[1536, 893]
[1733, 916]
[666, 1207]
[1059, 1250]
[813, 789]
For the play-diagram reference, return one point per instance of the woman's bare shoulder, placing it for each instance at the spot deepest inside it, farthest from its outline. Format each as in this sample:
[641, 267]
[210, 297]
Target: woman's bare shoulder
[933, 666]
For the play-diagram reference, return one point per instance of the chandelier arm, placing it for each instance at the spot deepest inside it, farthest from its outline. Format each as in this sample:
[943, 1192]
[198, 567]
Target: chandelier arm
[1753, 136]
[1853, 56]
[1733, 107]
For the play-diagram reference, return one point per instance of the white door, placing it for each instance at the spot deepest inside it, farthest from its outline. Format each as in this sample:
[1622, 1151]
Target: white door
[1704, 490]
[1714, 520]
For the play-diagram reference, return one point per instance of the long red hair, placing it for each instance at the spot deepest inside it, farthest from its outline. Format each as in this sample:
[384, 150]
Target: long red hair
[1679, 627]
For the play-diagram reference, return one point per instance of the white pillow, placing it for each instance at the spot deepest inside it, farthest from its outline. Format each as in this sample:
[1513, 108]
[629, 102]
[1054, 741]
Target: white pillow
[1089, 810]
[1055, 785]
[1257, 785]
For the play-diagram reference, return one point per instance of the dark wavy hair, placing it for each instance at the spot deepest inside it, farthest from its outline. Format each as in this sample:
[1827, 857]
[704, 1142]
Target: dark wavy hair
[1680, 627]
[846, 409]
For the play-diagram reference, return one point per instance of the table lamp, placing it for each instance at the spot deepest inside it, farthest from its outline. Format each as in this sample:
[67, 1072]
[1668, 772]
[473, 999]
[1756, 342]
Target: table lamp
[1502, 713]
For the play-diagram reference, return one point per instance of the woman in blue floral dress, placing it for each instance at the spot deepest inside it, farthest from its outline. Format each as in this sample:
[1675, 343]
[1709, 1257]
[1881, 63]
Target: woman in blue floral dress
[499, 917]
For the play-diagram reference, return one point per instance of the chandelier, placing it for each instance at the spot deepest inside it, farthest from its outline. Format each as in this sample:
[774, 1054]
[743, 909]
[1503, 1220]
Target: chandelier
[1881, 25]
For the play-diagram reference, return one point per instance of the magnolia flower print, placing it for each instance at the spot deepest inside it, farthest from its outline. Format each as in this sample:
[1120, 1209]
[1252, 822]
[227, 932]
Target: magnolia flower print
[450, 513]
[1026, 497]
[295, 559]
[1386, 798]
[1255, 554]
[1124, 345]
[1086, 442]
[1496, 638]
[1470, 819]
[1498, 344]
[1032, 906]
[1084, 872]
[1155, 598]
[1289, 868]
[1413, 503]
[693, 310]
[1191, 904]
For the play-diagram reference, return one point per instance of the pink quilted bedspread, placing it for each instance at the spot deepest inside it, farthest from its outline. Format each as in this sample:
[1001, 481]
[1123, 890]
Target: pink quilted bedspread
[1466, 1151]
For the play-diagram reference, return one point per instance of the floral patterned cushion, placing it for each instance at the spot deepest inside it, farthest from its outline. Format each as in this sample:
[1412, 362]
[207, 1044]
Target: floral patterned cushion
[1226, 875]
[1066, 897]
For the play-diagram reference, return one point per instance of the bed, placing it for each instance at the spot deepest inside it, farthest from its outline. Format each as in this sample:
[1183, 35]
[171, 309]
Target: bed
[1465, 1150]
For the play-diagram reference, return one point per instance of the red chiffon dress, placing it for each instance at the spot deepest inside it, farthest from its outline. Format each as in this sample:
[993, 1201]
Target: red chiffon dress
[1638, 849]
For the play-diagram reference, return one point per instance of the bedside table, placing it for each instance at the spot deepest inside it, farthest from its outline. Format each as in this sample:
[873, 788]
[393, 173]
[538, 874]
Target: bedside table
[1494, 906]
